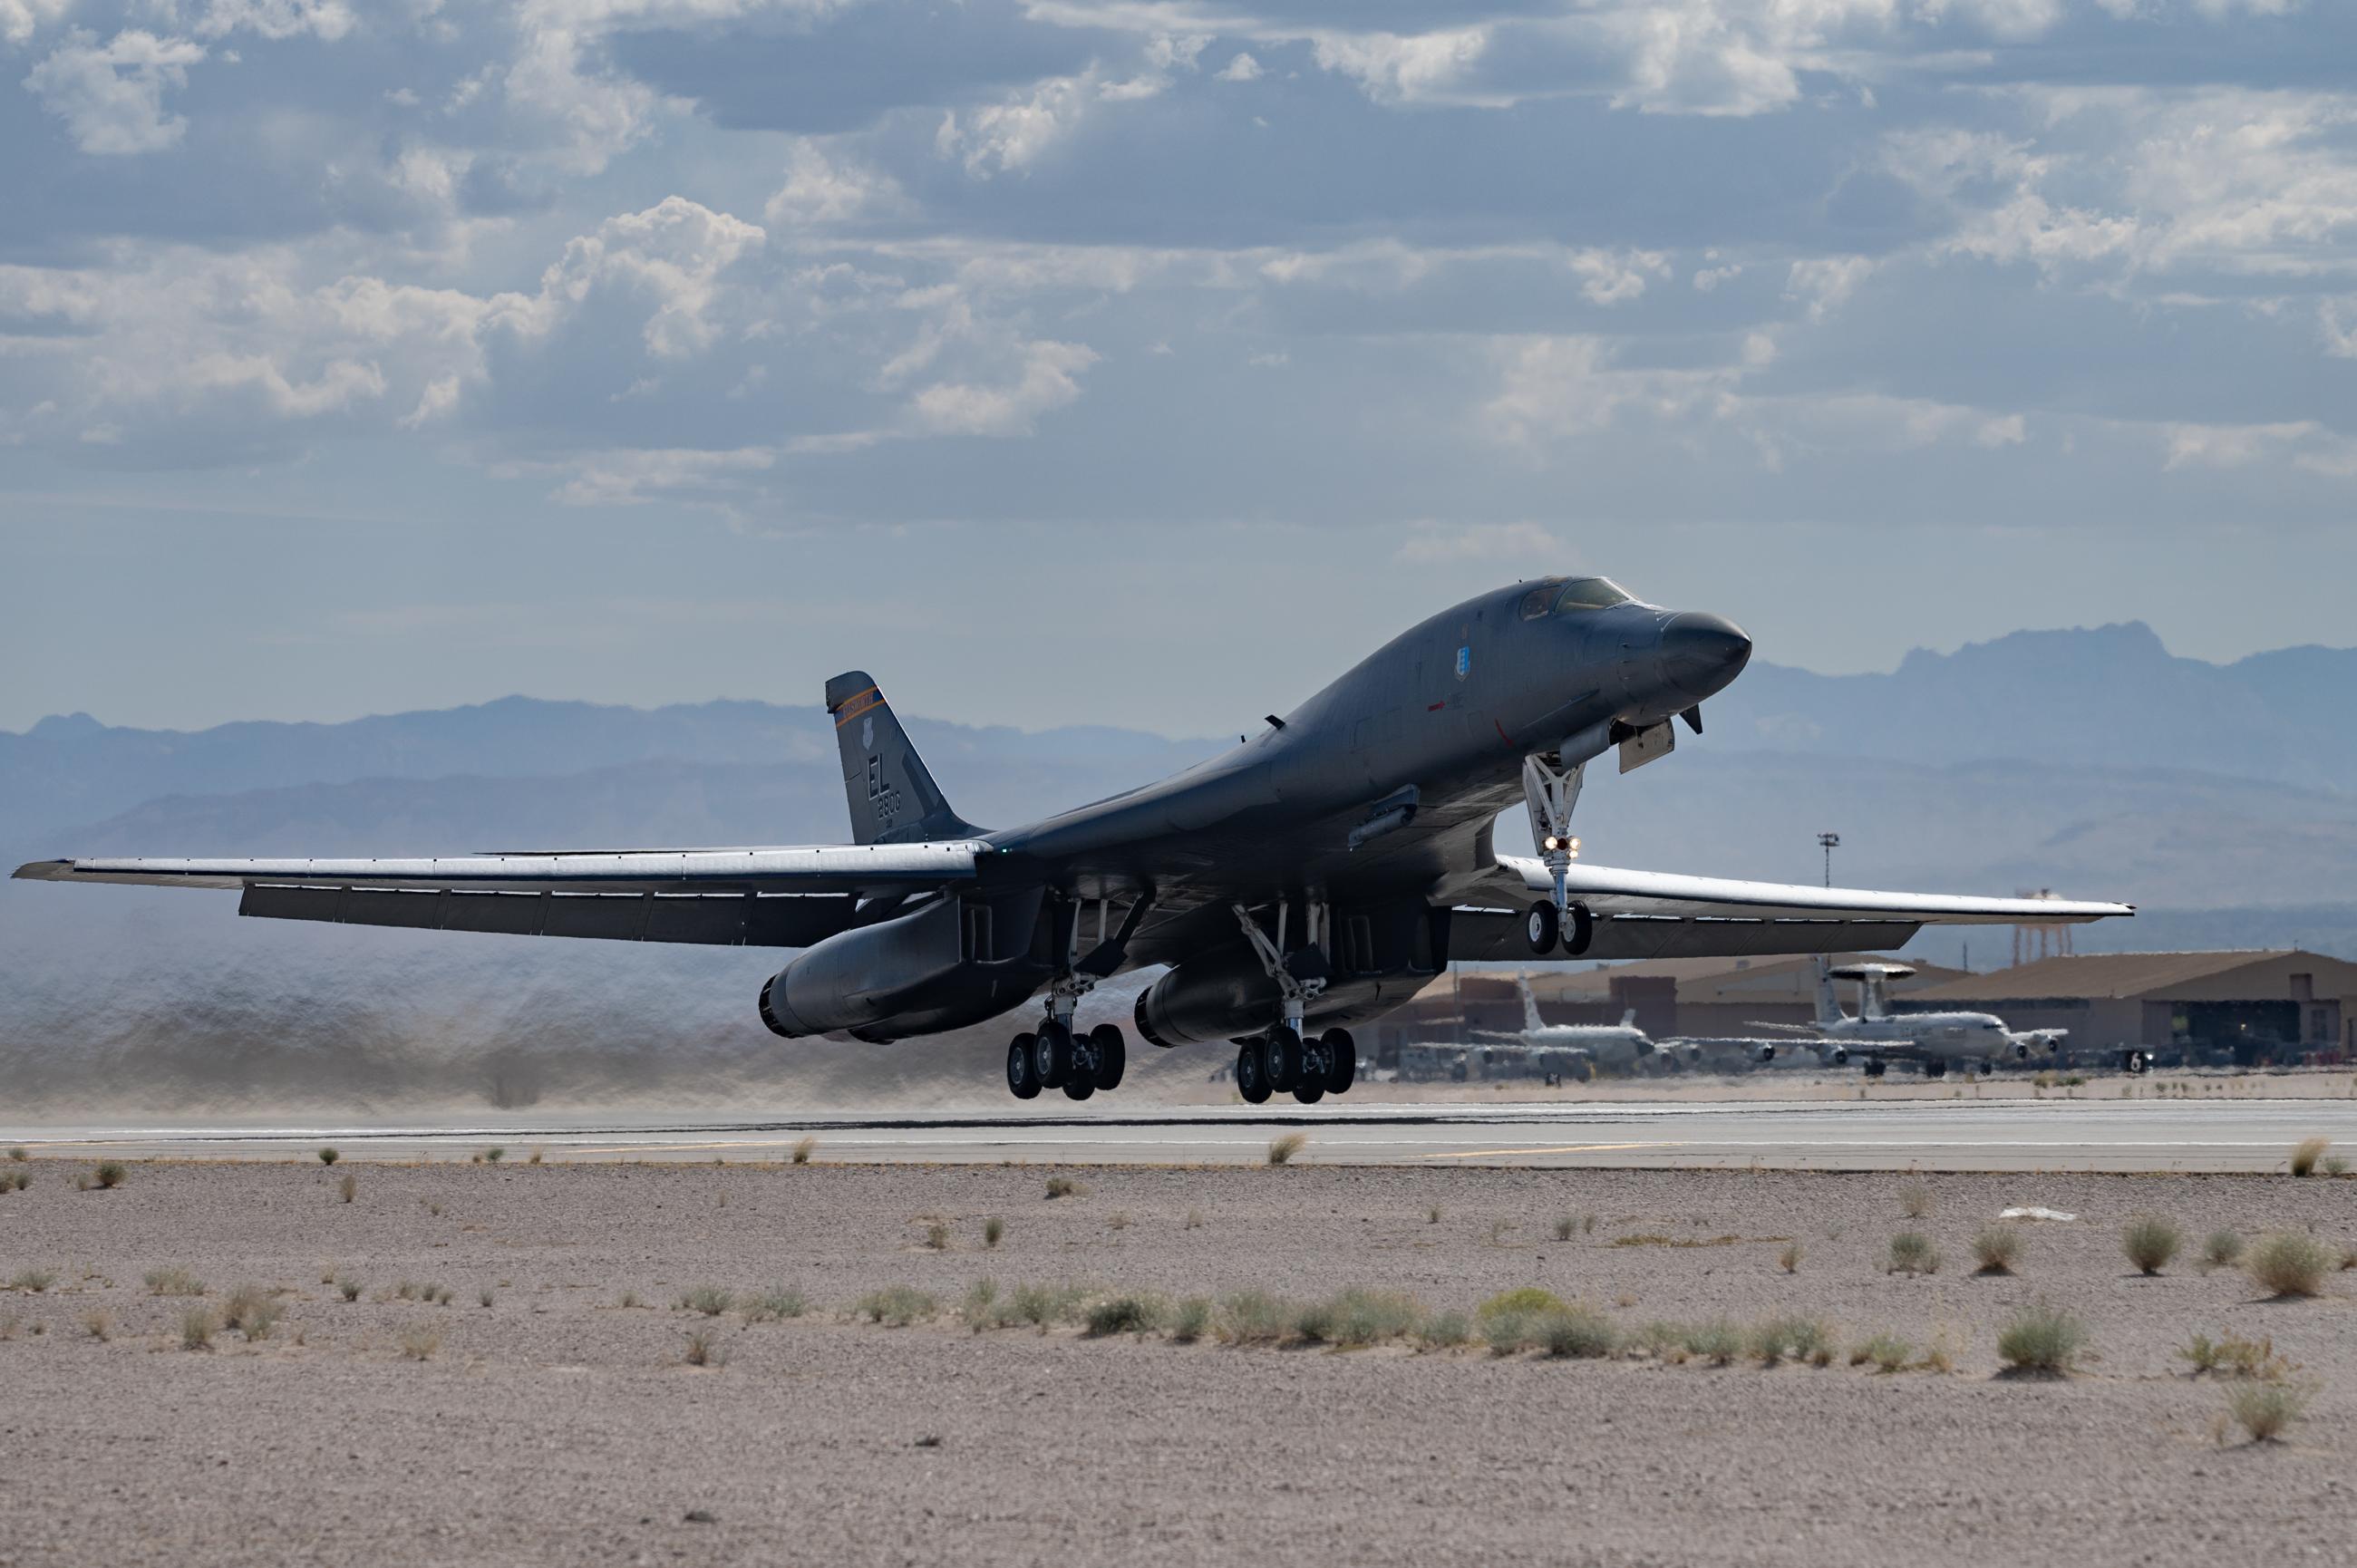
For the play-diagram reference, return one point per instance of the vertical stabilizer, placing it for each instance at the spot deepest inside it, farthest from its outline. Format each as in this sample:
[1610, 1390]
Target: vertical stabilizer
[1532, 1022]
[892, 795]
[1828, 1005]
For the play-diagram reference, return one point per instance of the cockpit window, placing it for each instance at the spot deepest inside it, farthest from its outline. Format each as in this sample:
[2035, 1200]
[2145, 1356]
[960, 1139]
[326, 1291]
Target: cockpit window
[1591, 594]
[1539, 600]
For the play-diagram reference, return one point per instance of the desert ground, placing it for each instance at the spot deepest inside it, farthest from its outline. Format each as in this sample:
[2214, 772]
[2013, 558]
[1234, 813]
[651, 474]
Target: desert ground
[511, 1380]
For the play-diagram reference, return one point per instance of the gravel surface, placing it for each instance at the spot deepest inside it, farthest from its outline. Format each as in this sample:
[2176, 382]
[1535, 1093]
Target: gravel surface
[557, 1425]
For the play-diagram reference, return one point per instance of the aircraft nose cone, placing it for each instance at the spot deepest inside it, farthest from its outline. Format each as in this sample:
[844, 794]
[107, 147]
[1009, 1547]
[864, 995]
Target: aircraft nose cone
[1700, 652]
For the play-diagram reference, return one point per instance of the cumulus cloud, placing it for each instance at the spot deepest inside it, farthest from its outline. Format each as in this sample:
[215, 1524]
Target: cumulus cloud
[821, 189]
[1011, 136]
[1822, 283]
[110, 95]
[1241, 68]
[1402, 68]
[1049, 378]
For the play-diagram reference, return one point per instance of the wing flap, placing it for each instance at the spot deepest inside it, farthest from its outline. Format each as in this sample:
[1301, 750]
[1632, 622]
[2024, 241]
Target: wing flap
[1607, 890]
[718, 920]
[1496, 935]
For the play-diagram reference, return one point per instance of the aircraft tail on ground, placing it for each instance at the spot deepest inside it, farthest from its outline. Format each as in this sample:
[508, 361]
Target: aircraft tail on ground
[892, 795]
[1828, 1005]
[1532, 1022]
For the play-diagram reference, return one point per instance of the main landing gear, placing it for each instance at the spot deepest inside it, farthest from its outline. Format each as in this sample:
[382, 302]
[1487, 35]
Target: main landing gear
[1056, 1057]
[1282, 1060]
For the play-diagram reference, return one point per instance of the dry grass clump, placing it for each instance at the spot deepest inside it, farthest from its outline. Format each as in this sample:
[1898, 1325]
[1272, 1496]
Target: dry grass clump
[249, 1310]
[979, 1310]
[1799, 1338]
[1565, 1227]
[1914, 1200]
[1064, 1187]
[2223, 1250]
[1126, 1315]
[2306, 1154]
[1789, 1260]
[992, 1229]
[98, 1323]
[1887, 1352]
[483, 1297]
[2230, 1354]
[495, 1153]
[2042, 1338]
[109, 1174]
[1252, 1318]
[2150, 1241]
[2264, 1409]
[16, 1153]
[1191, 1319]
[1445, 1330]
[895, 1307]
[1041, 1305]
[1911, 1253]
[779, 1303]
[1356, 1318]
[24, 1180]
[348, 1186]
[2289, 1264]
[1996, 1249]
[1117, 1220]
[1432, 1215]
[173, 1282]
[197, 1328]
[937, 1235]
[33, 1280]
[709, 1300]
[802, 1150]
[1576, 1331]
[1717, 1341]
[703, 1350]
[327, 1157]
[1525, 1299]
[1281, 1150]
[348, 1288]
[419, 1341]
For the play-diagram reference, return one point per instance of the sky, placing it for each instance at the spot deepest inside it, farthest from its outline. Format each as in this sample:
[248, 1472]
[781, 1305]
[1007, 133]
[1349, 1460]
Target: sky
[1146, 363]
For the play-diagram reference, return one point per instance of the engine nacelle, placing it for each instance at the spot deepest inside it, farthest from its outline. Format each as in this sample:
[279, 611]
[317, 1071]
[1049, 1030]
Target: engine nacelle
[912, 974]
[1839, 1055]
[1220, 995]
[1767, 1053]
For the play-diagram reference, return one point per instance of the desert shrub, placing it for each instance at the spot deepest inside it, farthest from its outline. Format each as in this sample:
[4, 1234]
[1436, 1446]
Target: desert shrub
[1194, 1220]
[1252, 1318]
[109, 1174]
[1789, 1260]
[419, 1341]
[937, 1235]
[2150, 1241]
[328, 1156]
[1191, 1319]
[1041, 1305]
[1887, 1352]
[1432, 1215]
[1281, 1150]
[1914, 1199]
[705, 1349]
[1576, 1329]
[349, 1287]
[977, 1311]
[1717, 1341]
[495, 1153]
[537, 1156]
[630, 1301]
[1522, 1298]
[34, 1280]
[197, 1328]
[16, 1153]
[1664, 1341]
[173, 1282]
[1996, 1249]
[2223, 1250]
[895, 1307]
[1360, 1317]
[1911, 1253]
[348, 1186]
[98, 1323]
[1565, 1227]
[244, 1307]
[1444, 1329]
[1507, 1332]
[1063, 1186]
[802, 1150]
[1801, 1338]
[2306, 1154]
[992, 1229]
[1126, 1315]
[2232, 1354]
[483, 1297]
[778, 1303]
[2289, 1264]
[2041, 1337]
[2263, 1410]
[709, 1300]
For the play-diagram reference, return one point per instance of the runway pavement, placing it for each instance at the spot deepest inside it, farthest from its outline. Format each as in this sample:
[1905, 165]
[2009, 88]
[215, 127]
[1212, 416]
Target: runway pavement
[2009, 1135]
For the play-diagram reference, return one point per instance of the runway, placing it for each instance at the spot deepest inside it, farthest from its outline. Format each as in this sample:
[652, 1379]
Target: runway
[1961, 1135]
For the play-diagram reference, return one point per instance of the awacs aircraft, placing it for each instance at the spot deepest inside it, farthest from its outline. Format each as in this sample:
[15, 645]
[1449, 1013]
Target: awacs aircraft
[1583, 1048]
[1310, 879]
[1938, 1040]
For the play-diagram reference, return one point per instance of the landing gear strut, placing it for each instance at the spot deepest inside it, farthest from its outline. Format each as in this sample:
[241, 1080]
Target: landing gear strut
[1284, 1058]
[1057, 1056]
[1551, 791]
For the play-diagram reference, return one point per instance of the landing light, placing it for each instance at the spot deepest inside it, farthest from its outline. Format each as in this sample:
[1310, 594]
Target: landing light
[1568, 847]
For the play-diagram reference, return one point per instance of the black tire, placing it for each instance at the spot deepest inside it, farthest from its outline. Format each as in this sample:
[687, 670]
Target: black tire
[1583, 931]
[1112, 1052]
[1251, 1073]
[1022, 1067]
[1310, 1090]
[1542, 927]
[1282, 1050]
[1080, 1085]
[1582, 1072]
[1341, 1060]
[1054, 1053]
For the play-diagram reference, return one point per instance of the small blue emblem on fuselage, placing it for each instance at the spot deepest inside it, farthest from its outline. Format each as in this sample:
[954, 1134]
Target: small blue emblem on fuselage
[1464, 661]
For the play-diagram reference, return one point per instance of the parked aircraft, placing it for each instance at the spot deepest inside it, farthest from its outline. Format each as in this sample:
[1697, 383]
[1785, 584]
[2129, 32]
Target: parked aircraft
[1577, 1050]
[1974, 1041]
[1309, 879]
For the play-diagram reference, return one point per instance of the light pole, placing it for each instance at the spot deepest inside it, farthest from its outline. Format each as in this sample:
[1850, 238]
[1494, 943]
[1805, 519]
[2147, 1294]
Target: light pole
[1829, 843]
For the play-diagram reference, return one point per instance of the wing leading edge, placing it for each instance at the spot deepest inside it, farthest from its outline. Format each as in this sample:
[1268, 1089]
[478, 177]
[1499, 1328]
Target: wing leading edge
[755, 897]
[1654, 914]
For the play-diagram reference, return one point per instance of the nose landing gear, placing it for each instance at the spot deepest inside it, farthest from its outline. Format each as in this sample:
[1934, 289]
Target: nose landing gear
[1551, 791]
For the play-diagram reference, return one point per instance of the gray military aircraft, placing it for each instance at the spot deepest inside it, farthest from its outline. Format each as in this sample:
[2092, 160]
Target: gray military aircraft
[1876, 1035]
[1312, 878]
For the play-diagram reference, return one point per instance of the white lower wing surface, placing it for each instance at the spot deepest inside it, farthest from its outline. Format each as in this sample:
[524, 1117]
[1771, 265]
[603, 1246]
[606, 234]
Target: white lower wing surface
[805, 869]
[1606, 890]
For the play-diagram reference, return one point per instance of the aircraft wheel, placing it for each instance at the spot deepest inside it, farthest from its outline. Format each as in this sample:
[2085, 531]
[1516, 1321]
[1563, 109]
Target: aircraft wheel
[1081, 1085]
[1283, 1048]
[1022, 1067]
[1543, 926]
[1310, 1090]
[1935, 1069]
[1252, 1072]
[1874, 1070]
[1341, 1060]
[1582, 1072]
[1111, 1053]
[1583, 931]
[1053, 1053]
